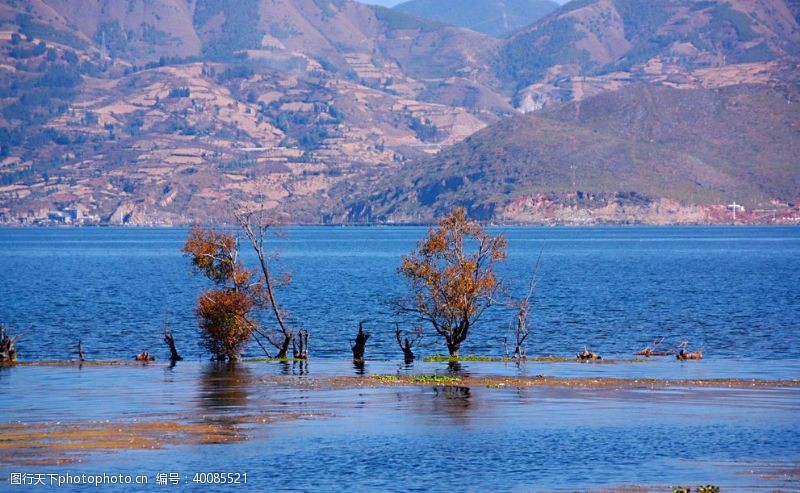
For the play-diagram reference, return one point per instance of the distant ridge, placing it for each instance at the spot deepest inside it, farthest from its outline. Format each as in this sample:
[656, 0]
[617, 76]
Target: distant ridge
[495, 17]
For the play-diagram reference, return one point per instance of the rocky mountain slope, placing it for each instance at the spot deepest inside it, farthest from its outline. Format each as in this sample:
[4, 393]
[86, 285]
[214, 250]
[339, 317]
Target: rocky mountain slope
[172, 111]
[167, 110]
[642, 154]
[592, 46]
[494, 17]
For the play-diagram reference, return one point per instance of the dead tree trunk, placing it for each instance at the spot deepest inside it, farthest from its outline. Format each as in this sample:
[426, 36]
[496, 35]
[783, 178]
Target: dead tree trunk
[522, 330]
[8, 350]
[173, 352]
[406, 344]
[300, 345]
[254, 224]
[361, 345]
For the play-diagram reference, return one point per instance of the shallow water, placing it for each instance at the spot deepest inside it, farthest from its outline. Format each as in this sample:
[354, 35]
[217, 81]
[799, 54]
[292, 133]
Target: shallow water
[417, 438]
[730, 291]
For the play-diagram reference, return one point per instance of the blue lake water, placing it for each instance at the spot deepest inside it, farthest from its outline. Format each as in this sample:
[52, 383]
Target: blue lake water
[734, 292]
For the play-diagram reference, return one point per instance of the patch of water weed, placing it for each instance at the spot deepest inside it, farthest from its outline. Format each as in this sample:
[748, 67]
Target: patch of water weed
[443, 358]
[417, 379]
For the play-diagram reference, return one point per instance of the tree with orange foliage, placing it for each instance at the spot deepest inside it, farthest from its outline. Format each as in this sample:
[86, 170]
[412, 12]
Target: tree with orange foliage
[224, 312]
[451, 276]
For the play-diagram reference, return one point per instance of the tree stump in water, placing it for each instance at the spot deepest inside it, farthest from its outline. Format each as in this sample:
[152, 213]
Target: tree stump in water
[300, 345]
[81, 356]
[361, 345]
[174, 356]
[407, 345]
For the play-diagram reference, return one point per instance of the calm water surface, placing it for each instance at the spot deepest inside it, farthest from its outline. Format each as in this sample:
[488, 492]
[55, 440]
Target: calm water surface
[415, 438]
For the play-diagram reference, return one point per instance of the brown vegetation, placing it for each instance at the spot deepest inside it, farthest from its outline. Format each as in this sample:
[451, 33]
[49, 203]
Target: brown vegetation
[224, 313]
[8, 350]
[144, 356]
[683, 355]
[452, 286]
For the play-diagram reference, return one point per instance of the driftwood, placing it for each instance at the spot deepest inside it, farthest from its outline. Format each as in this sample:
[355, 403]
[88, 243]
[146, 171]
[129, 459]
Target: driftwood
[8, 350]
[406, 344]
[300, 345]
[587, 355]
[683, 355]
[361, 345]
[144, 356]
[649, 351]
[173, 356]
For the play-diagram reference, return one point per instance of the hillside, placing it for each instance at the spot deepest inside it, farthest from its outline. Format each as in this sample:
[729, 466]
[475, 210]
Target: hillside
[171, 111]
[494, 17]
[592, 46]
[167, 110]
[642, 154]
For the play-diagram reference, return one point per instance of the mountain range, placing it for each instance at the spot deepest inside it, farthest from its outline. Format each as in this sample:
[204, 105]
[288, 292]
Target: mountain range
[328, 111]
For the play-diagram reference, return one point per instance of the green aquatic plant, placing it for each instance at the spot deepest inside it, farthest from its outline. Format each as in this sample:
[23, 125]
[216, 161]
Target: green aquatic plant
[434, 379]
[417, 379]
[443, 358]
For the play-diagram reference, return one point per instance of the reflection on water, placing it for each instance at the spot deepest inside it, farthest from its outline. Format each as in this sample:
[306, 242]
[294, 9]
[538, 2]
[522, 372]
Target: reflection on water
[224, 386]
[453, 401]
[294, 367]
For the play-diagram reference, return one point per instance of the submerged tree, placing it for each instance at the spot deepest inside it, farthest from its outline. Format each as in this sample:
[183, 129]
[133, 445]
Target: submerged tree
[451, 276]
[255, 225]
[524, 307]
[224, 312]
[227, 313]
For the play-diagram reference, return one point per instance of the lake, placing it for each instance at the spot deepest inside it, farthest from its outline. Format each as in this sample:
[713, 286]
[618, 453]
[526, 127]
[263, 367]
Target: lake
[731, 291]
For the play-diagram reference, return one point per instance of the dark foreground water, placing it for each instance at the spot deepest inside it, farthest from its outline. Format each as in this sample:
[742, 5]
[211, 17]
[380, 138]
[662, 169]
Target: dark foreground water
[448, 438]
[734, 292]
